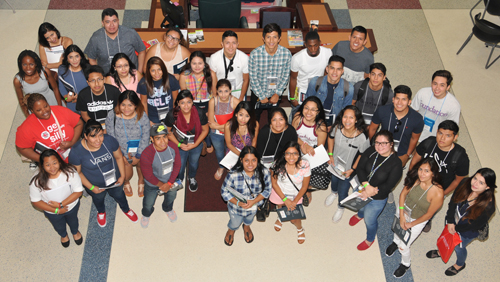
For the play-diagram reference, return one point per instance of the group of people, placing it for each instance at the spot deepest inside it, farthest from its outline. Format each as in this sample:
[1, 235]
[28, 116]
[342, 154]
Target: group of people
[160, 109]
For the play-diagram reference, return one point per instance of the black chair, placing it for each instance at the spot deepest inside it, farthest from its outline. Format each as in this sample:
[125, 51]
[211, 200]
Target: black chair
[220, 14]
[485, 31]
[282, 16]
[492, 7]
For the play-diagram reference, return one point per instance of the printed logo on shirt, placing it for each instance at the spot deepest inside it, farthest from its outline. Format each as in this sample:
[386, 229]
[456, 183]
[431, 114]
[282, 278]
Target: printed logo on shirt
[104, 158]
[45, 135]
[158, 92]
[160, 101]
[100, 106]
[442, 165]
[433, 110]
[52, 132]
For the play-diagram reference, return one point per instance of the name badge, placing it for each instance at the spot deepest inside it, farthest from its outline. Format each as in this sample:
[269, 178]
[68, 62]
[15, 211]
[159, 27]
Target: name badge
[407, 213]
[267, 161]
[341, 164]
[102, 122]
[272, 83]
[368, 118]
[132, 146]
[396, 145]
[233, 84]
[111, 59]
[167, 166]
[330, 117]
[162, 113]
[428, 124]
[109, 177]
[355, 184]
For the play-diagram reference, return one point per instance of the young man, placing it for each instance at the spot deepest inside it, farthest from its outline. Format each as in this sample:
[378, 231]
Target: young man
[269, 69]
[114, 38]
[306, 64]
[436, 104]
[231, 64]
[372, 92]
[96, 100]
[357, 58]
[334, 92]
[452, 158]
[160, 165]
[403, 122]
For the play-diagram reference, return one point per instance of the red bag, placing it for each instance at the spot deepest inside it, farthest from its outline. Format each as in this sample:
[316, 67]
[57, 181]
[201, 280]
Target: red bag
[446, 244]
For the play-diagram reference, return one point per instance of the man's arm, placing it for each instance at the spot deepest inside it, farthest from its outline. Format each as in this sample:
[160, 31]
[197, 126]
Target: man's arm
[93, 61]
[292, 87]
[244, 87]
[413, 143]
[416, 158]
[284, 76]
[372, 129]
[141, 57]
[453, 184]
[253, 70]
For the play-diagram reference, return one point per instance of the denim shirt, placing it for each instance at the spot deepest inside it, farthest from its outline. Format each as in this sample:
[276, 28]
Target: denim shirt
[339, 101]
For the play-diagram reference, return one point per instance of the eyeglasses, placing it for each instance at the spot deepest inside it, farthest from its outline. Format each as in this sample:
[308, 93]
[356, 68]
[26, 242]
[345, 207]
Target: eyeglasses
[170, 37]
[309, 109]
[121, 67]
[94, 81]
[295, 154]
[383, 144]
[396, 128]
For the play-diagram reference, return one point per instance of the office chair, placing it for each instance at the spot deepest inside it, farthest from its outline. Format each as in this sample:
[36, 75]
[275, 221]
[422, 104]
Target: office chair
[220, 14]
[485, 31]
[283, 16]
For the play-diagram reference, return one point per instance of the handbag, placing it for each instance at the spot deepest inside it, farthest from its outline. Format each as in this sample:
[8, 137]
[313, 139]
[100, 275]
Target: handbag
[483, 232]
[305, 199]
[320, 177]
[263, 210]
[446, 243]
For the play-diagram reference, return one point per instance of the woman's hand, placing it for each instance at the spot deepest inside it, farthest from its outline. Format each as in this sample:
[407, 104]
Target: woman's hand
[135, 160]
[213, 125]
[248, 205]
[290, 204]
[53, 204]
[371, 191]
[348, 173]
[407, 225]
[364, 195]
[307, 149]
[402, 222]
[97, 190]
[65, 145]
[120, 180]
[451, 228]
[63, 210]
[187, 147]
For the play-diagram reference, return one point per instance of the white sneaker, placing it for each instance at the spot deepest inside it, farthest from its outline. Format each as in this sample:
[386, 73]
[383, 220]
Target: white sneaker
[338, 215]
[144, 221]
[390, 198]
[330, 199]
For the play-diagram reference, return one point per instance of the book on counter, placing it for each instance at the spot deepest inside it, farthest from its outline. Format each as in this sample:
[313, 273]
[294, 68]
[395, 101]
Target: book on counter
[295, 38]
[354, 202]
[181, 137]
[285, 215]
[404, 235]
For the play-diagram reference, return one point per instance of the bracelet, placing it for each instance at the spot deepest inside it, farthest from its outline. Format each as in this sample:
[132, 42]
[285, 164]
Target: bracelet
[401, 208]
[291, 99]
[237, 202]
[60, 205]
[364, 186]
[179, 145]
[169, 183]
[330, 154]
[284, 199]
[57, 209]
[91, 188]
[65, 98]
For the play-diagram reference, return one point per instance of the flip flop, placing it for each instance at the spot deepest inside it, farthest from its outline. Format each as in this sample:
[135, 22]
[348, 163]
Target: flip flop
[247, 235]
[231, 240]
[299, 237]
[278, 227]
[218, 173]
[128, 190]
[140, 190]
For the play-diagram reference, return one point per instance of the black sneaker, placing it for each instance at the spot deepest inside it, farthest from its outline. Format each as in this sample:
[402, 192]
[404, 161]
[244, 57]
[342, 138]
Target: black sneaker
[193, 185]
[391, 249]
[400, 272]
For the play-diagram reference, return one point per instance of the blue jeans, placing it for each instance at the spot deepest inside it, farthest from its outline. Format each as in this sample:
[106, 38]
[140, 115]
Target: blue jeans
[462, 251]
[292, 112]
[341, 187]
[150, 194]
[208, 140]
[370, 213]
[193, 156]
[236, 220]
[219, 146]
[59, 221]
[116, 193]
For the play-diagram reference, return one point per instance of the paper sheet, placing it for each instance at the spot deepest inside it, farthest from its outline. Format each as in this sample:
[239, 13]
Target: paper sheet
[320, 157]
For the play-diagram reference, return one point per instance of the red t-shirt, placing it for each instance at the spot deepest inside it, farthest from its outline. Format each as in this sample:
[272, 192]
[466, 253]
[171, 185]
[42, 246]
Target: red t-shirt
[46, 131]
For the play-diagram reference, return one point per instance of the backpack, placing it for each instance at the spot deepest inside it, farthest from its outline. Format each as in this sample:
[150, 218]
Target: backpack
[173, 14]
[385, 92]
[320, 80]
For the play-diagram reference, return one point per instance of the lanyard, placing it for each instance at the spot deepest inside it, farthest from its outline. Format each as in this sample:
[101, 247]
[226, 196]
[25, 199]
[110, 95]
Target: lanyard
[117, 37]
[74, 83]
[277, 146]
[161, 161]
[95, 159]
[373, 171]
[125, 128]
[92, 96]
[420, 197]
[229, 68]
[366, 95]
[349, 145]
[402, 133]
[444, 160]
[439, 108]
[58, 126]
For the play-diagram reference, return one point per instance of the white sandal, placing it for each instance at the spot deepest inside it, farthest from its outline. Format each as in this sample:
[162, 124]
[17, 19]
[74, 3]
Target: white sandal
[278, 227]
[299, 237]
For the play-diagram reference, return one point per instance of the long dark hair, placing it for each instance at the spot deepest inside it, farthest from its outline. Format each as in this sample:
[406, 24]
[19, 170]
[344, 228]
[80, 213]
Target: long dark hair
[149, 79]
[134, 99]
[238, 167]
[279, 166]
[84, 63]
[360, 121]
[251, 124]
[412, 176]
[207, 75]
[42, 177]
[182, 95]
[320, 117]
[483, 200]
[42, 30]
[114, 74]
[38, 63]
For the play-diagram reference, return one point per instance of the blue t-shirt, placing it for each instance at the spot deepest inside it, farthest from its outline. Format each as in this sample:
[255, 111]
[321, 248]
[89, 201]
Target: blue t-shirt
[92, 163]
[71, 81]
[413, 122]
[161, 102]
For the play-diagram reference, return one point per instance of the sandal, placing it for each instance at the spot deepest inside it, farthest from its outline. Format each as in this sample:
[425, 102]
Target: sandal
[128, 190]
[452, 271]
[247, 234]
[433, 254]
[277, 226]
[299, 237]
[210, 149]
[140, 190]
[230, 237]
[218, 173]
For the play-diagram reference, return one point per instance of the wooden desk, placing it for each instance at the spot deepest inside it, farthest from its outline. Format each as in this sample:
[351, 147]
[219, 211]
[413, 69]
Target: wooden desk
[156, 14]
[316, 11]
[249, 39]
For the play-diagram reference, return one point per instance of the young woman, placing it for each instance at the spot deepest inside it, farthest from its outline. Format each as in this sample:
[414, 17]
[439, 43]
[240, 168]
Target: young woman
[56, 190]
[130, 127]
[309, 121]
[51, 46]
[274, 135]
[170, 51]
[189, 121]
[252, 180]
[220, 111]
[242, 130]
[71, 75]
[158, 90]
[469, 211]
[379, 171]
[123, 73]
[290, 179]
[420, 199]
[32, 78]
[346, 140]
[99, 161]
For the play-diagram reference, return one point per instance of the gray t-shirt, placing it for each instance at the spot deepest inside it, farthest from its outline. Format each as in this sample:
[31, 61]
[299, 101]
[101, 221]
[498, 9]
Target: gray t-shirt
[370, 101]
[346, 149]
[356, 64]
[102, 48]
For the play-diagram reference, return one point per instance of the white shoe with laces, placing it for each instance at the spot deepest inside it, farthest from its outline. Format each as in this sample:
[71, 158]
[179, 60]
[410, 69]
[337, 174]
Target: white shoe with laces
[390, 198]
[330, 199]
[338, 215]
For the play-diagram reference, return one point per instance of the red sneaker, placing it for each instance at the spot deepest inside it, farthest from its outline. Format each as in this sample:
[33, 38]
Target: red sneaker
[101, 219]
[363, 246]
[354, 220]
[132, 216]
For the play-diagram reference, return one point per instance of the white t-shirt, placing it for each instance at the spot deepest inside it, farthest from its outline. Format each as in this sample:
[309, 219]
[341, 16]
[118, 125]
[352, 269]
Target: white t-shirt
[287, 187]
[60, 189]
[240, 66]
[309, 67]
[429, 107]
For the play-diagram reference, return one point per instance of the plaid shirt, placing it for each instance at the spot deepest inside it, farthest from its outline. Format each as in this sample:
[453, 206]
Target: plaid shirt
[263, 65]
[236, 180]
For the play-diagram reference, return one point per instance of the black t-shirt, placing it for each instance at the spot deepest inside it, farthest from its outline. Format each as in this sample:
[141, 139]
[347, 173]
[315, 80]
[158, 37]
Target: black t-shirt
[98, 106]
[288, 135]
[170, 120]
[447, 168]
[161, 100]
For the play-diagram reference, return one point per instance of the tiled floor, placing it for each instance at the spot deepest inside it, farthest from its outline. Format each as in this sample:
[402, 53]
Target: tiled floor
[415, 38]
